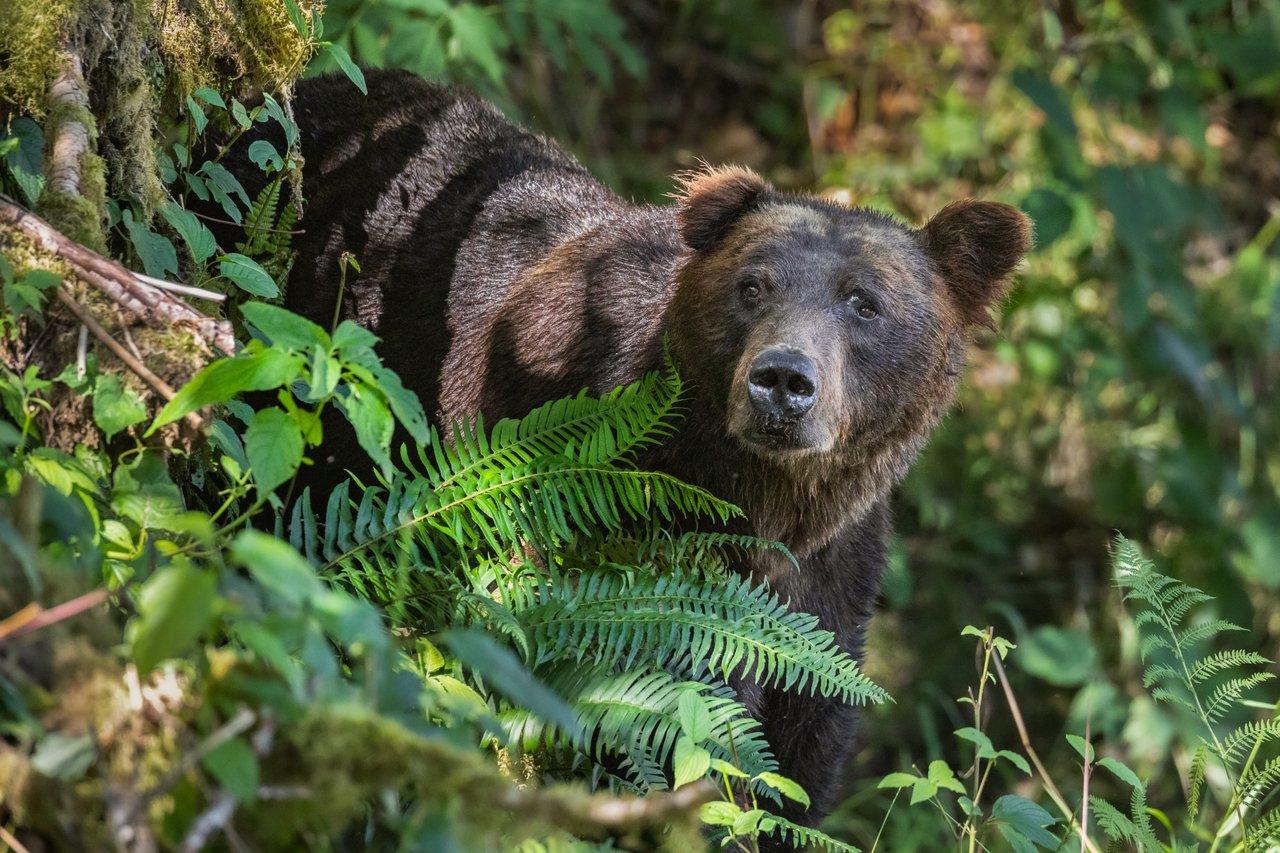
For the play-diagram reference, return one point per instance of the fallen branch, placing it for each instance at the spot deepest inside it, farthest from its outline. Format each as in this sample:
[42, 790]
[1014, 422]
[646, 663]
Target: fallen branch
[121, 285]
[130, 361]
[603, 816]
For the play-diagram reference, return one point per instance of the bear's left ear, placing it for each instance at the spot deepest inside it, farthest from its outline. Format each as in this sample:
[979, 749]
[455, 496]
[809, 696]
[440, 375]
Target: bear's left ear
[976, 245]
[711, 200]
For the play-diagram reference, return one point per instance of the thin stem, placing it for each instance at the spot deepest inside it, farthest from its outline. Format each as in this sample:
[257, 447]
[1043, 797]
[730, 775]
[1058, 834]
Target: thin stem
[1050, 788]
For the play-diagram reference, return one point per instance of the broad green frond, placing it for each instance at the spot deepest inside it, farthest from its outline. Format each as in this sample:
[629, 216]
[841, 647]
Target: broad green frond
[634, 715]
[546, 502]
[586, 429]
[1114, 823]
[718, 628]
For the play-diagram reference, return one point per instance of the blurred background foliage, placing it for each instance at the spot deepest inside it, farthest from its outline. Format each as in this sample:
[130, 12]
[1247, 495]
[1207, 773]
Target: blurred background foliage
[1130, 385]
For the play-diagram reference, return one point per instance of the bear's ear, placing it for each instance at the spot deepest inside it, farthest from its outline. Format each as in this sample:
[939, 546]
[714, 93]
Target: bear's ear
[710, 200]
[976, 245]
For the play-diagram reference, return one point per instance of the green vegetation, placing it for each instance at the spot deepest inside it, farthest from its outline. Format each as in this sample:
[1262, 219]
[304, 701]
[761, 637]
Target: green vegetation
[499, 635]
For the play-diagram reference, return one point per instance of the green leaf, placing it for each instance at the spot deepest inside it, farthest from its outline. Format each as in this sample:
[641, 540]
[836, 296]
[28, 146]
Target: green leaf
[719, 813]
[277, 566]
[116, 406]
[143, 493]
[241, 117]
[787, 787]
[175, 607]
[248, 275]
[156, 251]
[922, 790]
[986, 749]
[193, 232]
[197, 114]
[264, 155]
[296, 18]
[690, 762]
[64, 757]
[1121, 770]
[404, 404]
[219, 381]
[235, 766]
[502, 671]
[1015, 759]
[210, 97]
[284, 327]
[26, 158]
[695, 718]
[1082, 747]
[325, 373]
[273, 443]
[372, 421]
[1025, 819]
[898, 780]
[944, 777]
[349, 68]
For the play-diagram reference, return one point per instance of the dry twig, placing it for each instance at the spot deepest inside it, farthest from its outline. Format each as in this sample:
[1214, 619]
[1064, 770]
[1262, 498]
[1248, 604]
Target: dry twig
[117, 283]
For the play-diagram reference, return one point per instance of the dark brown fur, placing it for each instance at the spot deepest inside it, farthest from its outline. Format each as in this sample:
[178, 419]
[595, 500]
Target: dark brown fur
[499, 274]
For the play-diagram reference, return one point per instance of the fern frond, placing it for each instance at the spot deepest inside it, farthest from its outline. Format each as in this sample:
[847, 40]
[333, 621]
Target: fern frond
[1195, 781]
[1260, 732]
[1114, 823]
[586, 429]
[718, 628]
[1215, 663]
[1264, 834]
[802, 837]
[260, 218]
[634, 714]
[1259, 782]
[1224, 696]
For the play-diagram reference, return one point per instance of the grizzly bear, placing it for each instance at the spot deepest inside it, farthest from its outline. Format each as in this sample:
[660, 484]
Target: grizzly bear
[820, 343]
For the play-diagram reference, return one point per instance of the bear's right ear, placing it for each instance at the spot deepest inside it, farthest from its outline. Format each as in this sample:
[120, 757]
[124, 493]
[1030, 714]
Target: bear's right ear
[711, 200]
[976, 246]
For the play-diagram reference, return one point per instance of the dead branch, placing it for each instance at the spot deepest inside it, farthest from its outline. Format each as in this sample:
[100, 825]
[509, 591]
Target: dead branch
[121, 285]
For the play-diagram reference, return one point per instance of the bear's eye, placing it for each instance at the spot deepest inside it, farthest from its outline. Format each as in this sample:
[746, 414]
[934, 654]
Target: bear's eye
[862, 305]
[749, 288]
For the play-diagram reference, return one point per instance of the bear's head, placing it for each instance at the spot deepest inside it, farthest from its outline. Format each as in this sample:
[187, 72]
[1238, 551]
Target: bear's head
[831, 337]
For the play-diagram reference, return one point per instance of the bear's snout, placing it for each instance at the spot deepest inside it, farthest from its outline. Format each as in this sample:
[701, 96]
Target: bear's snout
[782, 385]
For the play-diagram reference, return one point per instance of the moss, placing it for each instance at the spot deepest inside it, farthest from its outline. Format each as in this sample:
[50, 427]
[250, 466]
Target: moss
[76, 216]
[345, 756]
[250, 44]
[30, 32]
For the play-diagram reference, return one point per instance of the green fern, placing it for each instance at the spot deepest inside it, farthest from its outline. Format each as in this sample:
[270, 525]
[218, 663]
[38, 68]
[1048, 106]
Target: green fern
[1165, 626]
[715, 628]
[260, 219]
[542, 532]
[1210, 686]
[634, 715]
[802, 837]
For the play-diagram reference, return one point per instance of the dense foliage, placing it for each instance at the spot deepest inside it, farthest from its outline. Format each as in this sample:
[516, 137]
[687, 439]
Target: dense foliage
[501, 622]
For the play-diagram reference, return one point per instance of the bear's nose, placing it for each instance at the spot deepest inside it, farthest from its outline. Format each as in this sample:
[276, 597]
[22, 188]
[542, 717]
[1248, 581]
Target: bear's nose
[782, 384]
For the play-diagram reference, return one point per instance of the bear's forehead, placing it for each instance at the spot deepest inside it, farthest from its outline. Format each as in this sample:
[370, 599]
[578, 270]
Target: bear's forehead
[814, 237]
